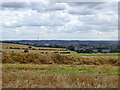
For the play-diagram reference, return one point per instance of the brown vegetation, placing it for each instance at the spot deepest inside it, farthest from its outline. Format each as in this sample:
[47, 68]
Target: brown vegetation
[43, 76]
[36, 58]
[31, 79]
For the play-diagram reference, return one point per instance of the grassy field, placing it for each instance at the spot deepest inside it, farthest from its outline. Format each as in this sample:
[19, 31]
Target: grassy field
[59, 76]
[6, 48]
[36, 70]
[98, 54]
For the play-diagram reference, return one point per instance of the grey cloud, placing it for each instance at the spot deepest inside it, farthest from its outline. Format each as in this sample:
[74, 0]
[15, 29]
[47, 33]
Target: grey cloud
[89, 8]
[12, 26]
[14, 5]
[88, 4]
[80, 13]
[84, 8]
[40, 7]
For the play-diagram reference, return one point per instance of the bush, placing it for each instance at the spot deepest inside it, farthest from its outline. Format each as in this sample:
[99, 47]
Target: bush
[30, 47]
[72, 48]
[26, 51]
[10, 47]
[34, 49]
[55, 52]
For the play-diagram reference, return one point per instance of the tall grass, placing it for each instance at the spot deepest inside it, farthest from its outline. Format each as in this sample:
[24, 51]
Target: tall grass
[37, 58]
[36, 79]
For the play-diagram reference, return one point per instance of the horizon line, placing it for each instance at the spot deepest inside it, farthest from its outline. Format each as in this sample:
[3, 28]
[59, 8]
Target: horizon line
[55, 40]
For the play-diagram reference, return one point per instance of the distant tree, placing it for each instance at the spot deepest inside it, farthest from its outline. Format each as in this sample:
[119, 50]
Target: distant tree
[80, 51]
[99, 50]
[72, 48]
[89, 51]
[50, 45]
[26, 51]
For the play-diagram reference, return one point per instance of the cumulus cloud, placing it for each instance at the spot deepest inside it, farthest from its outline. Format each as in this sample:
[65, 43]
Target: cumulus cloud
[81, 20]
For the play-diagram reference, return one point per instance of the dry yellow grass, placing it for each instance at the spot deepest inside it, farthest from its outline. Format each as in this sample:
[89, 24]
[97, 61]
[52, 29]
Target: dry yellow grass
[5, 45]
[30, 70]
[36, 58]
[18, 76]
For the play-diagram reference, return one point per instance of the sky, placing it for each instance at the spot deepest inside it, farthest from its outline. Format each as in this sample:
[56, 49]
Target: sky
[59, 21]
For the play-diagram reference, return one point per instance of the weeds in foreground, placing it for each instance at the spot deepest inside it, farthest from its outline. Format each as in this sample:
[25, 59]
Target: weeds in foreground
[59, 76]
[37, 79]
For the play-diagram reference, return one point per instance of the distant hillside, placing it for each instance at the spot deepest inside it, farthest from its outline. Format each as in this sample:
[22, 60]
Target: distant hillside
[66, 43]
[63, 42]
[10, 47]
[72, 45]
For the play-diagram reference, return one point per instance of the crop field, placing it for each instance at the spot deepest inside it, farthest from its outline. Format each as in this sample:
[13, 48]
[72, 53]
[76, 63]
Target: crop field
[9, 47]
[98, 54]
[51, 70]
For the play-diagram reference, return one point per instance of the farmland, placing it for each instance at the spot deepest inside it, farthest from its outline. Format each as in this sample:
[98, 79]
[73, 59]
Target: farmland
[8, 47]
[98, 54]
[55, 70]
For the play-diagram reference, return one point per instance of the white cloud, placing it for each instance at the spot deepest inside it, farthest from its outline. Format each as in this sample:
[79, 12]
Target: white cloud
[60, 21]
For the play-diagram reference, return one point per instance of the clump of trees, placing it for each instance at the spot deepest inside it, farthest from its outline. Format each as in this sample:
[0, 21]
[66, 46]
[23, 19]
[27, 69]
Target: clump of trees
[85, 51]
[72, 48]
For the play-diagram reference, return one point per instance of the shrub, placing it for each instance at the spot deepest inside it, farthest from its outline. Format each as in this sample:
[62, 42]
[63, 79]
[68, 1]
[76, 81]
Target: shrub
[30, 47]
[34, 49]
[55, 52]
[10, 47]
[26, 51]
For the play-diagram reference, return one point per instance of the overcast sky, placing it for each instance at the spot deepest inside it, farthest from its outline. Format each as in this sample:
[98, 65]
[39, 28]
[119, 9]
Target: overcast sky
[60, 21]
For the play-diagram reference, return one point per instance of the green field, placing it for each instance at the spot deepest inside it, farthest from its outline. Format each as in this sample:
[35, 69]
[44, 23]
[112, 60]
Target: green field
[62, 68]
[98, 54]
